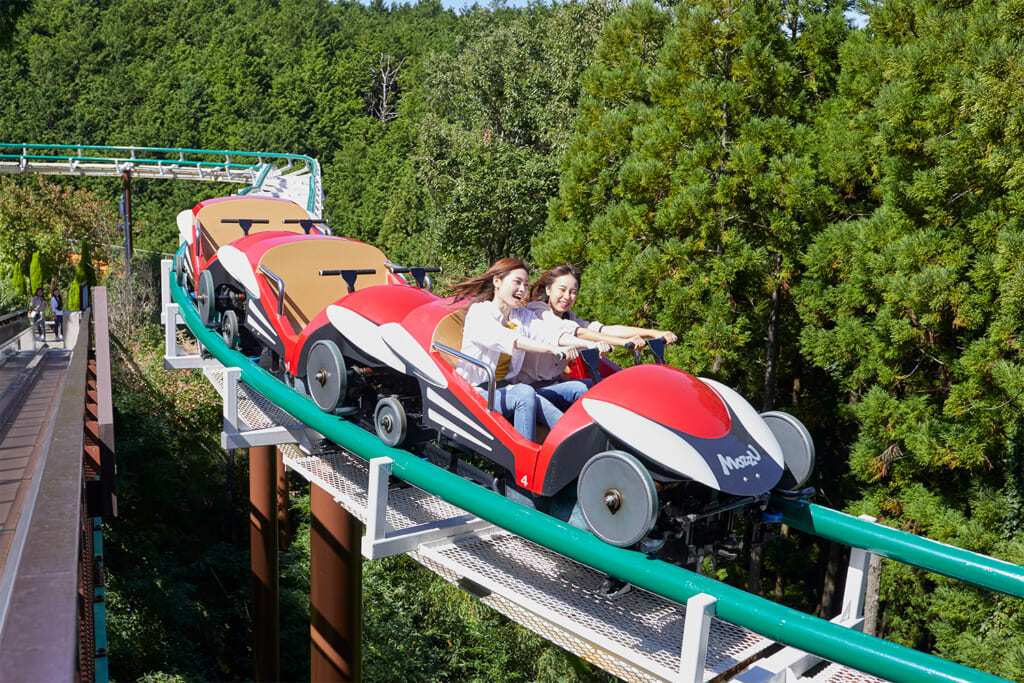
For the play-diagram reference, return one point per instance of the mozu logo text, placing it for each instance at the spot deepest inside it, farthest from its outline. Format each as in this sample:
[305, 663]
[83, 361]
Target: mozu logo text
[748, 459]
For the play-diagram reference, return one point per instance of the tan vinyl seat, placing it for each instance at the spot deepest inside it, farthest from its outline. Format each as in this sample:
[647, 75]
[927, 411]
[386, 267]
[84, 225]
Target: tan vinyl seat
[449, 333]
[298, 263]
[214, 234]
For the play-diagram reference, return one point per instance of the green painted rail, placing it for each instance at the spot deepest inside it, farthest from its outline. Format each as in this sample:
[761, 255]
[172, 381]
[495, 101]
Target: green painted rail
[249, 168]
[973, 568]
[782, 624]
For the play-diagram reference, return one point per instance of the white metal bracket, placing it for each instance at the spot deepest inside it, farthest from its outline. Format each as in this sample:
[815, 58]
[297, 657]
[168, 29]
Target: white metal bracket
[238, 434]
[175, 357]
[700, 610]
[381, 540]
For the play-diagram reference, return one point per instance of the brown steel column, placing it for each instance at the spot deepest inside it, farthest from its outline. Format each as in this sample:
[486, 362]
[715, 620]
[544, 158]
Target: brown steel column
[263, 546]
[335, 592]
[284, 531]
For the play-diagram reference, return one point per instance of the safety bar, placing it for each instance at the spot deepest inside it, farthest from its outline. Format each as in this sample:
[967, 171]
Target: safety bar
[245, 223]
[309, 223]
[280, 287]
[491, 382]
[419, 274]
[592, 359]
[655, 345]
[350, 275]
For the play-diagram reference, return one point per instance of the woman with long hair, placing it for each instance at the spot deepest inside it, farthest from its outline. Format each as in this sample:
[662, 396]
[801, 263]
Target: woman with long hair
[57, 306]
[552, 297]
[498, 332]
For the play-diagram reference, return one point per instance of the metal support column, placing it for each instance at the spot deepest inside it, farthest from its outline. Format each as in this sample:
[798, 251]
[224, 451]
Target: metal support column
[126, 213]
[335, 590]
[284, 531]
[263, 547]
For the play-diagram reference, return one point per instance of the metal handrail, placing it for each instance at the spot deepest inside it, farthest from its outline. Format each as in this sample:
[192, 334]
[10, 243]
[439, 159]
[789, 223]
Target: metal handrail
[491, 382]
[280, 287]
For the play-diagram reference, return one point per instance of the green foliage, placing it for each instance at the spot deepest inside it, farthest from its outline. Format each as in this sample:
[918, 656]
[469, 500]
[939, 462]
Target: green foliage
[418, 627]
[18, 281]
[85, 267]
[689, 187]
[36, 277]
[177, 584]
[73, 300]
[48, 222]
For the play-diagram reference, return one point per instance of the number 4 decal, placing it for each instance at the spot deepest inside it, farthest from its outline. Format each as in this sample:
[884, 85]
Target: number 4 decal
[523, 481]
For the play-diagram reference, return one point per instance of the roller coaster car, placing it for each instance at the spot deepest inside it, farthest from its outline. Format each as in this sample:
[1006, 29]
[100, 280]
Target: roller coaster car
[289, 281]
[656, 457]
[216, 222]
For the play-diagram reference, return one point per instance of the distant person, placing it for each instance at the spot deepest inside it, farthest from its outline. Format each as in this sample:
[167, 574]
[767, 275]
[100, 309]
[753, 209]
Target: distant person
[57, 306]
[37, 306]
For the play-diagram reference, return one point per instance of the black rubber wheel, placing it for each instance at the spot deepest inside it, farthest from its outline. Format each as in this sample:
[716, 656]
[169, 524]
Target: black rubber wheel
[206, 300]
[618, 498]
[229, 330]
[797, 448]
[326, 380]
[389, 421]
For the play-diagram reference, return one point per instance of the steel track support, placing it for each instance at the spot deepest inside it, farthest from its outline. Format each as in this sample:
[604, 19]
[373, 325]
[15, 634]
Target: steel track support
[335, 592]
[284, 528]
[263, 548]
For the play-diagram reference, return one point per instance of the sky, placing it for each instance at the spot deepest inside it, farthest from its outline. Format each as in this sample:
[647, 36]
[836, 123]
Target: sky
[858, 19]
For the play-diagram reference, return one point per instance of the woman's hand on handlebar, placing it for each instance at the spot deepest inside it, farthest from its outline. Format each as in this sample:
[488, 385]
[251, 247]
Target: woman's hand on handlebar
[669, 337]
[565, 352]
[635, 342]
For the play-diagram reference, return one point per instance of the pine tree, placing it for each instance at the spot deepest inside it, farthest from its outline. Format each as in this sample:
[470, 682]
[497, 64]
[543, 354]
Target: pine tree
[18, 280]
[35, 273]
[690, 186]
[913, 301]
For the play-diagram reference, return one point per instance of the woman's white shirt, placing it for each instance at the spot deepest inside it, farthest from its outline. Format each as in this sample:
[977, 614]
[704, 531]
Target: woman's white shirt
[485, 337]
[540, 367]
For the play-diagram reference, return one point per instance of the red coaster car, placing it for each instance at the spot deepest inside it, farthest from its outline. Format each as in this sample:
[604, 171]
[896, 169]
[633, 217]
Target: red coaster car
[655, 456]
[216, 222]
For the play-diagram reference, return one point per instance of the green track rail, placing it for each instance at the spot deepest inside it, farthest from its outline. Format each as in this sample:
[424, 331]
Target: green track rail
[248, 168]
[978, 570]
[782, 624]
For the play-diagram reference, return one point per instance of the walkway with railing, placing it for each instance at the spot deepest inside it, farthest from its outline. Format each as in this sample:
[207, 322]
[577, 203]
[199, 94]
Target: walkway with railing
[56, 483]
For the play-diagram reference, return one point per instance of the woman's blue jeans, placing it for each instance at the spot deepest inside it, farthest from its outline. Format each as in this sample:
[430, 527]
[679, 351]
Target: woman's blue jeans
[521, 404]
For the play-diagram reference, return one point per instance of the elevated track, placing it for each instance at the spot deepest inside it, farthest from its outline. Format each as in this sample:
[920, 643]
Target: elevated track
[479, 532]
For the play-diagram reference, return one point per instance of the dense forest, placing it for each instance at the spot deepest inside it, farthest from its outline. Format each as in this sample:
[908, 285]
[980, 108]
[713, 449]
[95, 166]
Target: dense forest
[828, 216]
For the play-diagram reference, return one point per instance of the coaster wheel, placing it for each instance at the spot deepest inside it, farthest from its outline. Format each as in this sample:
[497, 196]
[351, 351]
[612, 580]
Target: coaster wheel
[389, 421]
[618, 498]
[229, 329]
[797, 448]
[326, 378]
[206, 300]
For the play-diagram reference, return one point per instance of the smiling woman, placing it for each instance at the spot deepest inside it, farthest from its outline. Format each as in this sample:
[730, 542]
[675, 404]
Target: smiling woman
[497, 334]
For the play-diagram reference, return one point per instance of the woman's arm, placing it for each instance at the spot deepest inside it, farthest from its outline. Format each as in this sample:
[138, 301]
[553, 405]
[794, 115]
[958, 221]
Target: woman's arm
[527, 344]
[625, 331]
